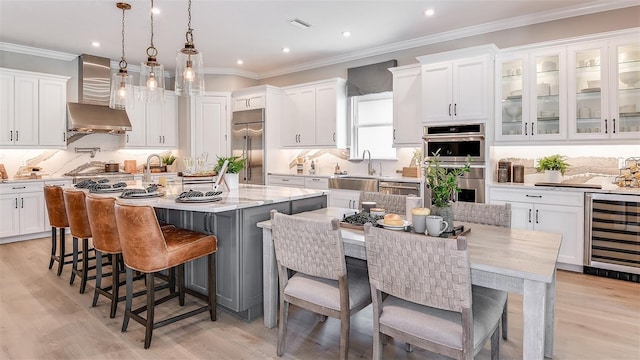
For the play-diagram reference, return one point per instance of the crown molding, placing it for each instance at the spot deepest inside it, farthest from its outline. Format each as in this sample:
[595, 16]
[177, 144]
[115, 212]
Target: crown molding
[28, 50]
[231, 71]
[520, 21]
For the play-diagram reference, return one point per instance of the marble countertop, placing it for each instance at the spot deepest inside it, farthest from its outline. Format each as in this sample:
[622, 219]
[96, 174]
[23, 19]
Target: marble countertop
[398, 178]
[606, 188]
[244, 197]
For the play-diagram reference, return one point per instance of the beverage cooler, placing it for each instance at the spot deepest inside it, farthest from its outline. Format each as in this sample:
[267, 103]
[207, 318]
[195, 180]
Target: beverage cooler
[612, 235]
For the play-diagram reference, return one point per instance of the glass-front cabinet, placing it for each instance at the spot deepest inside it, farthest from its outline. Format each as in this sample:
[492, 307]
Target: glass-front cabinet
[532, 92]
[604, 90]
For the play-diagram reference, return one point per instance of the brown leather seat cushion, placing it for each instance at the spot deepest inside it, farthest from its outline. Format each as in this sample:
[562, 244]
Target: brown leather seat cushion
[102, 220]
[185, 245]
[55, 206]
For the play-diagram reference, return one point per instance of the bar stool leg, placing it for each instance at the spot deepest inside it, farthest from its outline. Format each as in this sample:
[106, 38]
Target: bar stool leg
[98, 278]
[54, 234]
[181, 284]
[115, 285]
[213, 301]
[129, 298]
[85, 265]
[74, 266]
[150, 310]
[62, 246]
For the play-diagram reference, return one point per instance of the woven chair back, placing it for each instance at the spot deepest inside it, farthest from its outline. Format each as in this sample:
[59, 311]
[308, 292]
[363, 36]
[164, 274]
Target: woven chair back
[422, 269]
[309, 246]
[488, 214]
[392, 204]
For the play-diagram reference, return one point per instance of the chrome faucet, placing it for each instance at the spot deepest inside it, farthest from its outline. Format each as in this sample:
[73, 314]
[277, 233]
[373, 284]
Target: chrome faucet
[147, 170]
[370, 170]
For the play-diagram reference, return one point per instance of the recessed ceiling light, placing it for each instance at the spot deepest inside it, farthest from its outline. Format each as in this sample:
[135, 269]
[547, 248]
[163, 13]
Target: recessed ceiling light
[239, 62]
[286, 50]
[429, 12]
[155, 10]
[95, 44]
[346, 33]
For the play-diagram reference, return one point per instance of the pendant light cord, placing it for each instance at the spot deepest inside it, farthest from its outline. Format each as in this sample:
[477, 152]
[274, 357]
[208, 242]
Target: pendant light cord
[152, 23]
[123, 62]
[189, 34]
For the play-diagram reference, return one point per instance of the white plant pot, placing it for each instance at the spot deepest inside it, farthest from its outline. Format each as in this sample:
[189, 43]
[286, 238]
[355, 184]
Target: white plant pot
[553, 176]
[232, 180]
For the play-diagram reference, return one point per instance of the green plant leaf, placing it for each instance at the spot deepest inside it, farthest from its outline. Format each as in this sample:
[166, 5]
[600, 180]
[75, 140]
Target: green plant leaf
[443, 182]
[553, 162]
[236, 164]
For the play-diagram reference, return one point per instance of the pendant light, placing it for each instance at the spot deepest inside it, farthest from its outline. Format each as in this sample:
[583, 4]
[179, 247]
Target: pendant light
[152, 73]
[121, 82]
[189, 68]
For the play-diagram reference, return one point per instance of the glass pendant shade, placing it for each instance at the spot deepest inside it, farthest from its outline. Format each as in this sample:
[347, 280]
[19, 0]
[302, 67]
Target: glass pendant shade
[189, 73]
[122, 91]
[152, 81]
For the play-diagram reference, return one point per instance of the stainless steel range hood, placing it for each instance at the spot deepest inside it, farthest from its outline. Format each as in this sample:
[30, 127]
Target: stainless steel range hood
[92, 113]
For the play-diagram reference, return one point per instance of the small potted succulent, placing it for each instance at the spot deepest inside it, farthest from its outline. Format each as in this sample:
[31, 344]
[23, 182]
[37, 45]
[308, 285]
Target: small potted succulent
[554, 167]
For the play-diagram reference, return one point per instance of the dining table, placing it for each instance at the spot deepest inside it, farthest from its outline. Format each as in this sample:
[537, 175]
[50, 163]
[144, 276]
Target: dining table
[513, 260]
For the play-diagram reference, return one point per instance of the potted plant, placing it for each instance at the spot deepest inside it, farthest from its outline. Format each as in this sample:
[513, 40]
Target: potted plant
[554, 167]
[236, 164]
[443, 183]
[168, 159]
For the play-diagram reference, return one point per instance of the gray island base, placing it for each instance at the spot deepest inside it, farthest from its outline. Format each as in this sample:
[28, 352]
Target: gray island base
[233, 221]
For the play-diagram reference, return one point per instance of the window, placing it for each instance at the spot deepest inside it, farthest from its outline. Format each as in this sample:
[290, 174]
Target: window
[372, 124]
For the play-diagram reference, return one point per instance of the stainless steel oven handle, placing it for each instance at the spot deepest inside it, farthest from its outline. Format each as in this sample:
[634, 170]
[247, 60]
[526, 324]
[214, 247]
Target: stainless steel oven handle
[399, 187]
[457, 136]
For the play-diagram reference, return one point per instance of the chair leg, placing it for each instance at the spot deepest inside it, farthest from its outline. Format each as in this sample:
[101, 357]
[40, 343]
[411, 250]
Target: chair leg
[115, 285]
[129, 298]
[378, 338]
[211, 277]
[495, 345]
[85, 265]
[150, 310]
[322, 318]
[74, 266]
[54, 234]
[98, 278]
[345, 326]
[408, 348]
[172, 280]
[505, 323]
[282, 326]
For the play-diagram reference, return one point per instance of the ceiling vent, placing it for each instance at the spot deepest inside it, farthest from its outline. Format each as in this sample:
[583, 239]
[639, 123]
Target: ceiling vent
[300, 23]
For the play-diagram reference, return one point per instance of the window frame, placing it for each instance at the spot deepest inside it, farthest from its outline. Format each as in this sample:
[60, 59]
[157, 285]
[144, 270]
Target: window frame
[355, 151]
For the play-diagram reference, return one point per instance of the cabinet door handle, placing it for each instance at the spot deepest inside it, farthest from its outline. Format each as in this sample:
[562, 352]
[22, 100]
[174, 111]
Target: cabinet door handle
[534, 196]
[10, 135]
[163, 140]
[394, 134]
[285, 180]
[455, 109]
[18, 187]
[526, 125]
[449, 109]
[606, 131]
[614, 125]
[315, 179]
[532, 132]
[22, 203]
[127, 138]
[17, 135]
[334, 136]
[16, 203]
[64, 137]
[537, 216]
[529, 215]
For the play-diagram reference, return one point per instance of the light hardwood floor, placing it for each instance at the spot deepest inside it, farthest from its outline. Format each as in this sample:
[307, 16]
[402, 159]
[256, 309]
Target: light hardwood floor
[42, 317]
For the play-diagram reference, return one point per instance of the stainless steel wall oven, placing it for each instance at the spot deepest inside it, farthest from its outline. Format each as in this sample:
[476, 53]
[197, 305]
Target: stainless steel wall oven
[457, 143]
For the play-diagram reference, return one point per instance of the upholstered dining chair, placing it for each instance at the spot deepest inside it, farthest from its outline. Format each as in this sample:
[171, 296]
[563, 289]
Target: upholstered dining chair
[322, 283]
[59, 223]
[392, 204]
[149, 249]
[488, 214]
[430, 301]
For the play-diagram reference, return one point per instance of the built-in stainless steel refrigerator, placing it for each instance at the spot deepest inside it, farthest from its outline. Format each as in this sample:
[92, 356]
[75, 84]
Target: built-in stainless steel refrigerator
[247, 140]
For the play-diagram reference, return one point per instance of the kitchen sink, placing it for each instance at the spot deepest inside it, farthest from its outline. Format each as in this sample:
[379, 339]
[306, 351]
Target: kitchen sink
[359, 183]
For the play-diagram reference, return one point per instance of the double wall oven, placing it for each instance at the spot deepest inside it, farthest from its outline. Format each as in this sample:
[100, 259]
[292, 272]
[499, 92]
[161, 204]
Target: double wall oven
[456, 144]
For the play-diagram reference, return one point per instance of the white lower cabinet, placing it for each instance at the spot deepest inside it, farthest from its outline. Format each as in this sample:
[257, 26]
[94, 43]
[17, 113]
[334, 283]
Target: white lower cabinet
[344, 198]
[548, 211]
[22, 209]
[320, 182]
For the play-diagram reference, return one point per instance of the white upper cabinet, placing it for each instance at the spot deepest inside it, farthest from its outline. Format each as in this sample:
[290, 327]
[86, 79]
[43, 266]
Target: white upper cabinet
[604, 90]
[532, 92]
[407, 110]
[153, 125]
[459, 90]
[211, 127]
[32, 109]
[249, 100]
[314, 114]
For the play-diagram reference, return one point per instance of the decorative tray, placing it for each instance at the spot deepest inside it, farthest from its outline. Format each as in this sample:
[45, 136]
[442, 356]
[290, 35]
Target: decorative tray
[200, 199]
[346, 225]
[197, 175]
[140, 195]
[107, 191]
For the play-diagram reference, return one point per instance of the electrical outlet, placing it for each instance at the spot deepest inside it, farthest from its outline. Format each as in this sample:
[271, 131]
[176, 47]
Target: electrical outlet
[621, 163]
[535, 162]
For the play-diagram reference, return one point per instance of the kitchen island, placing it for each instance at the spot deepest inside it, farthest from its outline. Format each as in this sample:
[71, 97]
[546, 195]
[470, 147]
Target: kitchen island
[233, 220]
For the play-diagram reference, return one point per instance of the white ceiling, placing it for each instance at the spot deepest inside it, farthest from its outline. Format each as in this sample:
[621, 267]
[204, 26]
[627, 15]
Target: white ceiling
[256, 31]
